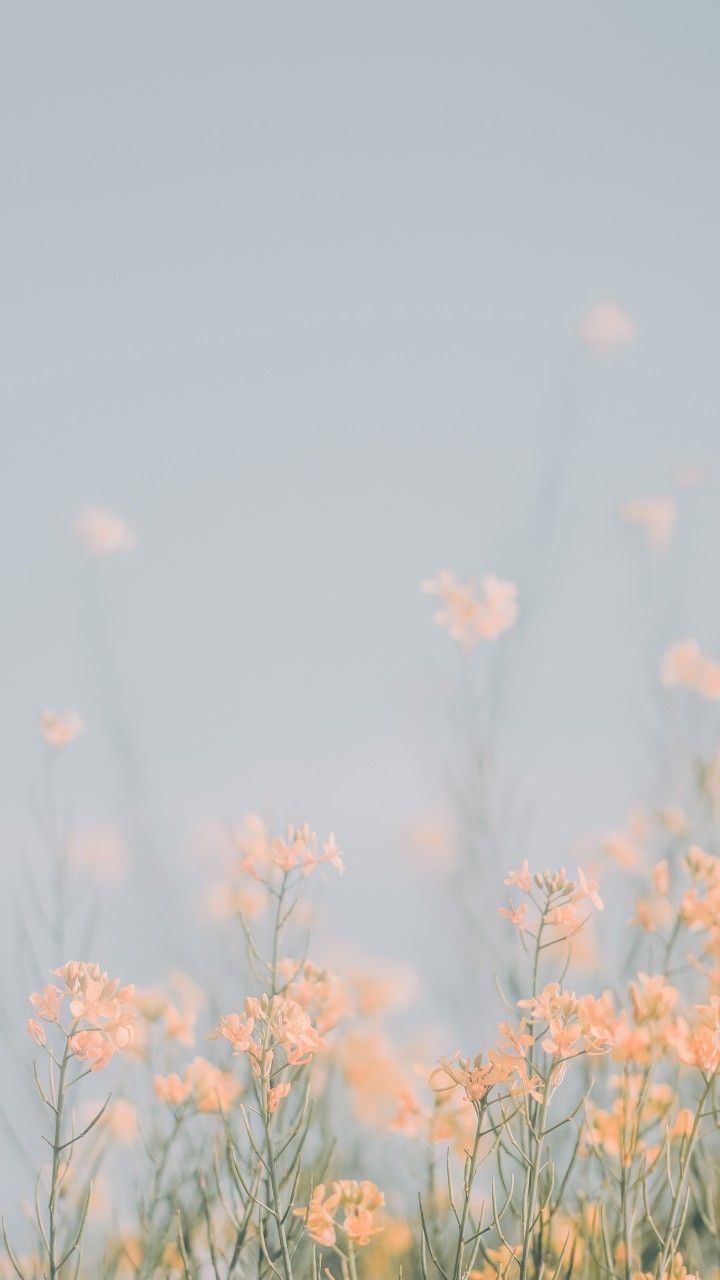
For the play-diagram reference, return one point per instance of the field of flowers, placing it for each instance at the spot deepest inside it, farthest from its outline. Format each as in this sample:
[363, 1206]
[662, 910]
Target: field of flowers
[283, 1132]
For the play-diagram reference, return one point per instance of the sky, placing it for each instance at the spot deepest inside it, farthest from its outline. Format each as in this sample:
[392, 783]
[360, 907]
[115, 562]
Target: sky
[295, 291]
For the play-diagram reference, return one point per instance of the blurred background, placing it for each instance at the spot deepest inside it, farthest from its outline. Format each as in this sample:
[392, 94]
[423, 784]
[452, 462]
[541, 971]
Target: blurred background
[297, 293]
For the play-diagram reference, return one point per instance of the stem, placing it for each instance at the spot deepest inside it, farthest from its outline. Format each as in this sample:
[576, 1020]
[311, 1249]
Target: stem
[57, 1146]
[534, 1176]
[682, 1184]
[469, 1179]
[272, 1170]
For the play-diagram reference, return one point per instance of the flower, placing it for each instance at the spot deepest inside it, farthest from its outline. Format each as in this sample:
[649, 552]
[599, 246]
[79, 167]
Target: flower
[696, 1040]
[589, 889]
[276, 1095]
[299, 850]
[102, 533]
[605, 327]
[60, 730]
[359, 1201]
[469, 618]
[172, 1089]
[521, 878]
[37, 1031]
[47, 1003]
[652, 998]
[106, 1009]
[656, 517]
[516, 915]
[684, 665]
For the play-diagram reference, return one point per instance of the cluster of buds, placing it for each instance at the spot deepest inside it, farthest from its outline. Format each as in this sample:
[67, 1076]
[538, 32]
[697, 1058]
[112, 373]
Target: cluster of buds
[560, 905]
[298, 850]
[103, 1014]
[357, 1202]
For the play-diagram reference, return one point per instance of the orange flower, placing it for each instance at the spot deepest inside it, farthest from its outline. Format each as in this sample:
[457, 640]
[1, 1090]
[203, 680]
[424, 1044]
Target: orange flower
[60, 730]
[469, 618]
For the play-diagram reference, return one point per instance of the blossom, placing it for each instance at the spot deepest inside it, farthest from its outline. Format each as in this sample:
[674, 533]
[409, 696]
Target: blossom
[37, 1031]
[237, 1030]
[516, 915]
[101, 1003]
[320, 992]
[276, 1095]
[59, 730]
[102, 533]
[467, 616]
[358, 1200]
[684, 665]
[696, 1040]
[521, 878]
[212, 1089]
[47, 1003]
[652, 998]
[299, 850]
[172, 1089]
[656, 517]
[589, 889]
[605, 327]
[121, 1120]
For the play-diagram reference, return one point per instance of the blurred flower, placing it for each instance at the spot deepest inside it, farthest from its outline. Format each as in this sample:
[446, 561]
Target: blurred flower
[685, 665]
[101, 851]
[605, 327]
[102, 533]
[656, 517]
[60, 730]
[468, 617]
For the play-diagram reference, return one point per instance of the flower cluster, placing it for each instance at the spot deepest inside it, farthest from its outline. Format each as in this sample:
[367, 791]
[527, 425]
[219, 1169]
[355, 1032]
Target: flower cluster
[320, 992]
[357, 1202]
[266, 1025]
[560, 907]
[209, 1088]
[103, 1014]
[469, 617]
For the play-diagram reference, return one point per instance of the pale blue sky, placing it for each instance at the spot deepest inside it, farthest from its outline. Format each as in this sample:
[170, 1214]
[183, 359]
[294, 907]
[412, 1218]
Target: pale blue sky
[294, 289]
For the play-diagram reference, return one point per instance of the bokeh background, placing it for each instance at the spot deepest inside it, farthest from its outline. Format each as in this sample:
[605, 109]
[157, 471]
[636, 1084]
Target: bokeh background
[295, 290]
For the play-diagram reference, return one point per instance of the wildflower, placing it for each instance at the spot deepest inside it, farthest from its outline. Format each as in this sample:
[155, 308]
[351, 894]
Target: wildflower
[276, 1095]
[237, 1030]
[358, 1200]
[686, 666]
[37, 1031]
[589, 889]
[60, 730]
[696, 1040]
[652, 998]
[172, 1089]
[605, 327]
[122, 1121]
[516, 916]
[521, 878]
[299, 850]
[469, 618]
[212, 1089]
[656, 517]
[47, 1003]
[320, 992]
[102, 533]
